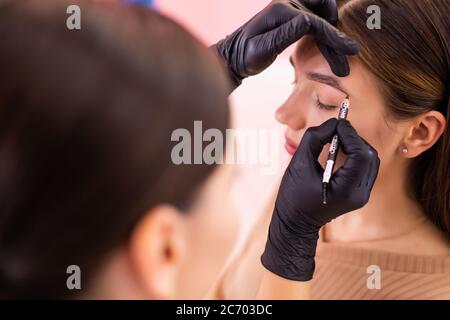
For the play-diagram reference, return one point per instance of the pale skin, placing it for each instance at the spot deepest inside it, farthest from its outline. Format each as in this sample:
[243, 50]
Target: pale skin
[391, 219]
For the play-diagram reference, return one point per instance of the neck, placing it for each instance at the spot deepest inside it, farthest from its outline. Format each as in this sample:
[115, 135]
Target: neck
[390, 212]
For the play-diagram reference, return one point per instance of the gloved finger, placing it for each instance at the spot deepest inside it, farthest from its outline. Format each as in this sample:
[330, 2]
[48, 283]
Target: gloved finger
[373, 173]
[270, 18]
[359, 154]
[314, 139]
[373, 168]
[338, 63]
[327, 9]
[278, 39]
[328, 35]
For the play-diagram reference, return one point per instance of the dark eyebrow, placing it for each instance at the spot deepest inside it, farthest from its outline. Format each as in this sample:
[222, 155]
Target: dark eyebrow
[330, 81]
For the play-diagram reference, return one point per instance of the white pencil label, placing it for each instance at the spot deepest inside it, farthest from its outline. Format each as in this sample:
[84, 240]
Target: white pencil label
[327, 173]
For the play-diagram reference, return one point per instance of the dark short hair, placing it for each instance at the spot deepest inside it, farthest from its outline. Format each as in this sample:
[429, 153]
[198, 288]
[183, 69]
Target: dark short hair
[86, 118]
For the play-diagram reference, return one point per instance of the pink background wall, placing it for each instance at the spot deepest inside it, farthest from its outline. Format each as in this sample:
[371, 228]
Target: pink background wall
[254, 103]
[211, 20]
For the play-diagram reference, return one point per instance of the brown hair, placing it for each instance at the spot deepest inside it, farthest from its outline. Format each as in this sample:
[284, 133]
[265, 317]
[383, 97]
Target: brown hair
[85, 133]
[410, 56]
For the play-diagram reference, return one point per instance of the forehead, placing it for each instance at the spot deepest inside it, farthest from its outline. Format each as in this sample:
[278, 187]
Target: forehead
[306, 49]
[308, 58]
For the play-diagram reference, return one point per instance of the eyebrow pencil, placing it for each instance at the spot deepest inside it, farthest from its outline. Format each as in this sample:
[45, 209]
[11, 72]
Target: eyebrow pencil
[332, 154]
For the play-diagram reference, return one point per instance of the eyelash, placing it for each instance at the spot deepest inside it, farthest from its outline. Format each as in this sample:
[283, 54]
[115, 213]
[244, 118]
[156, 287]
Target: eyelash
[319, 104]
[326, 107]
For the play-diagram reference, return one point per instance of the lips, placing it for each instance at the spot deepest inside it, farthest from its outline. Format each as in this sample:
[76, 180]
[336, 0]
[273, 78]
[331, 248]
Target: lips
[290, 146]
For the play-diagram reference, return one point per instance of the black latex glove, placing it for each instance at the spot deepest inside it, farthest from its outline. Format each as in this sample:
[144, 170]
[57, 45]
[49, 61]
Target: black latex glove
[299, 212]
[256, 45]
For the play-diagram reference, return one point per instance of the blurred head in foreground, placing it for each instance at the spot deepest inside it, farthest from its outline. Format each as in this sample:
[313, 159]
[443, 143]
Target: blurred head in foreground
[86, 175]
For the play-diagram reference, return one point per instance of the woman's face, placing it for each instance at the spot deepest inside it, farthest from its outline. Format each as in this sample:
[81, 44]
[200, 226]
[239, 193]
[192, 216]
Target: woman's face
[317, 95]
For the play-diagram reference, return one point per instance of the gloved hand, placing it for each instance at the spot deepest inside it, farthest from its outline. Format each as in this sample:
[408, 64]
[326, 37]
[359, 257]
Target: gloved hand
[299, 212]
[256, 45]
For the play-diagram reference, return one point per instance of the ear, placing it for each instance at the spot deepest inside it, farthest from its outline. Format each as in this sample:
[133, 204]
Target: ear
[423, 133]
[156, 250]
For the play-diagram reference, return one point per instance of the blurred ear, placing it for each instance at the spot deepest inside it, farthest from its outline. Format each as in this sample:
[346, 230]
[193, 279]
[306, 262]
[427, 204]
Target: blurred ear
[424, 133]
[156, 248]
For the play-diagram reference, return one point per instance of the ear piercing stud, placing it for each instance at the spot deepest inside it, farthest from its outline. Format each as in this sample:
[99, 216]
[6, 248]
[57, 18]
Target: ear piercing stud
[405, 150]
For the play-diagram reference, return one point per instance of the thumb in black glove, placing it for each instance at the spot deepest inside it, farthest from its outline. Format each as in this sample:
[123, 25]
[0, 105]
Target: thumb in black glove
[299, 212]
[256, 45]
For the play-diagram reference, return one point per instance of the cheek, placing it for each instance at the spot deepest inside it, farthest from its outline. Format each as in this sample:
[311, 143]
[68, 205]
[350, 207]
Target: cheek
[316, 118]
[375, 131]
[217, 229]
[312, 116]
[300, 110]
[212, 234]
[213, 237]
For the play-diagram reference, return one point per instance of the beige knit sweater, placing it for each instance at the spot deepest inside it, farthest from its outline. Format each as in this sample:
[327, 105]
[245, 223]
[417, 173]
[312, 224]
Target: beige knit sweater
[342, 273]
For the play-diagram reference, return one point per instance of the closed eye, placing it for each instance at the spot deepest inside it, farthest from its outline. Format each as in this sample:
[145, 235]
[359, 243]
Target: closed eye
[326, 107]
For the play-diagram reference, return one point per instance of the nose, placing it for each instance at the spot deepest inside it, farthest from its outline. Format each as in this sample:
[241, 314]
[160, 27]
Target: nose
[291, 114]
